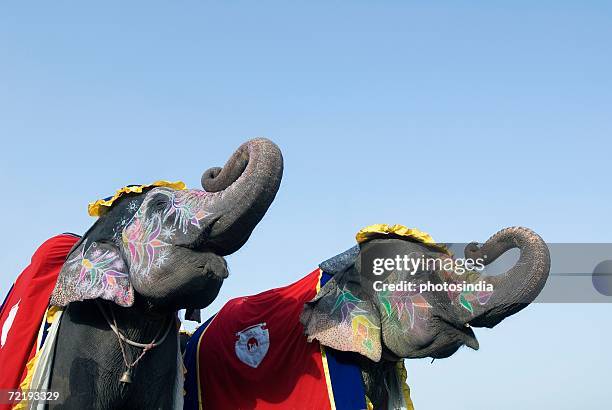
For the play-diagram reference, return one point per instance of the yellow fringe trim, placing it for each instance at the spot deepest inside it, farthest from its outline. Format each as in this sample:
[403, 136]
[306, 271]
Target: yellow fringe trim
[100, 206]
[50, 317]
[185, 332]
[25, 384]
[403, 375]
[319, 281]
[330, 391]
[379, 230]
[52, 313]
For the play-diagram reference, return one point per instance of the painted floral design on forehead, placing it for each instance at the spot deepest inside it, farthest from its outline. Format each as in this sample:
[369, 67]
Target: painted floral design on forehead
[141, 239]
[148, 233]
[404, 308]
[187, 208]
[467, 299]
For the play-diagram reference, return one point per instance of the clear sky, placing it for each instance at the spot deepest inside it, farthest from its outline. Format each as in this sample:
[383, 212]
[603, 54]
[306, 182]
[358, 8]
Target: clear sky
[459, 118]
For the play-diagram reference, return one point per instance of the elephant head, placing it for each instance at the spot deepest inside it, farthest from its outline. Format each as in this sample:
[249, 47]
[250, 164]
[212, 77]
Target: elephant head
[355, 312]
[167, 245]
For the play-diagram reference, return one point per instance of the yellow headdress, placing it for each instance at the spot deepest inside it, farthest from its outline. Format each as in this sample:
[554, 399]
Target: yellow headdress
[100, 206]
[398, 231]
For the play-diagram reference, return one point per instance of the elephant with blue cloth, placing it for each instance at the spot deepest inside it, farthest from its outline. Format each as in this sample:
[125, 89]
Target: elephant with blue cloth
[332, 341]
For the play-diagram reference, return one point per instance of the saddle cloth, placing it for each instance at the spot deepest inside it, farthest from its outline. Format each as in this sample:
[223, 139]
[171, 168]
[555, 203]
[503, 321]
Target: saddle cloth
[24, 309]
[253, 354]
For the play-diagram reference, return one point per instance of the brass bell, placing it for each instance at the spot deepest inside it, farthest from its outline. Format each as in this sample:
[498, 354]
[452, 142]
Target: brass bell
[127, 376]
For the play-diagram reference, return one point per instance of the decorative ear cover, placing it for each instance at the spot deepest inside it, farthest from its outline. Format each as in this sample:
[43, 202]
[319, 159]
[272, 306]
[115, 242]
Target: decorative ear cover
[93, 270]
[341, 262]
[343, 317]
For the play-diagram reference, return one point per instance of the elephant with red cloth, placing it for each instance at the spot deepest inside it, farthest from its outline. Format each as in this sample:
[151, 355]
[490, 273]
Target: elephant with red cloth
[332, 340]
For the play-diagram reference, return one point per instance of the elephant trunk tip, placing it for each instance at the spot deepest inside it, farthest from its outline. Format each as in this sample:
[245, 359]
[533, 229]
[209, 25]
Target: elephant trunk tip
[242, 191]
[521, 284]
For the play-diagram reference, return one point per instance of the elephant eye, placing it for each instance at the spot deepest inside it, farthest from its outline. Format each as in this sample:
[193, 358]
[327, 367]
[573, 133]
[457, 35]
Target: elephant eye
[158, 203]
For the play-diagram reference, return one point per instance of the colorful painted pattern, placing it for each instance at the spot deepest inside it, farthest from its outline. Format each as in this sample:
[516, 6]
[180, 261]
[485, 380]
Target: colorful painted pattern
[103, 267]
[406, 308]
[467, 299]
[163, 217]
[363, 330]
[187, 209]
[101, 273]
[147, 236]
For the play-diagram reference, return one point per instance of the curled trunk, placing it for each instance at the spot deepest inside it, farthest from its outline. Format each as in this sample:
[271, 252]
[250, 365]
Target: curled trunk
[241, 192]
[520, 285]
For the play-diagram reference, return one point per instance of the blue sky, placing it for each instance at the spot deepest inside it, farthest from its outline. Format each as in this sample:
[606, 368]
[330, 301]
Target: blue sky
[459, 118]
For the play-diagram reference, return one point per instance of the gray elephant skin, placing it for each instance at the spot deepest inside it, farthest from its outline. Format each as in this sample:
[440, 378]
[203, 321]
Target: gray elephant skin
[376, 329]
[444, 324]
[149, 255]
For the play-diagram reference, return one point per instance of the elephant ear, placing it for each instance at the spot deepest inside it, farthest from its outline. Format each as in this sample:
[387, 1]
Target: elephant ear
[341, 262]
[342, 317]
[94, 269]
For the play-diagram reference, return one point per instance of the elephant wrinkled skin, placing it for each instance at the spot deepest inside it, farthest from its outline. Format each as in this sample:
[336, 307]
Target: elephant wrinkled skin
[149, 255]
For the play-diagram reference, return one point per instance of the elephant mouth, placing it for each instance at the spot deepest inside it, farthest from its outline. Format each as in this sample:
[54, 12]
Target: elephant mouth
[217, 275]
[464, 333]
[448, 339]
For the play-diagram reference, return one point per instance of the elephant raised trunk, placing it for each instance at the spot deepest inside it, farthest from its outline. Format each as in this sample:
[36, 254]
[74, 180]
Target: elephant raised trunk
[241, 192]
[519, 286]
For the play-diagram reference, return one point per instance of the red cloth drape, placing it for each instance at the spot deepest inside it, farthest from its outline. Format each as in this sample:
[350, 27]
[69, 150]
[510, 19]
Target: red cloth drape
[285, 371]
[24, 307]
